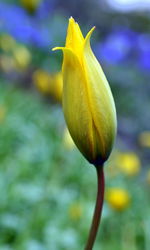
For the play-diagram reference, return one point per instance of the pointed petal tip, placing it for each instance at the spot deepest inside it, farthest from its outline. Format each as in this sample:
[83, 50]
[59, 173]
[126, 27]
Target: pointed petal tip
[71, 19]
[87, 38]
[92, 29]
[54, 49]
[57, 48]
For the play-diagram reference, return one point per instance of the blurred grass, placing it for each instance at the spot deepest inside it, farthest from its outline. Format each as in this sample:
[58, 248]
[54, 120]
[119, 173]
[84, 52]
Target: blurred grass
[48, 192]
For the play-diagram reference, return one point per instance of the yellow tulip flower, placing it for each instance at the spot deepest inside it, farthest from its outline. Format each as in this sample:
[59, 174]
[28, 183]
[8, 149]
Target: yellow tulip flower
[88, 104]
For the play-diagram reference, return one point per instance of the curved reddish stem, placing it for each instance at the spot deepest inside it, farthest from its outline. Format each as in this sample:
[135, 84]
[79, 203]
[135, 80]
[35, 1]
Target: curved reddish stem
[98, 208]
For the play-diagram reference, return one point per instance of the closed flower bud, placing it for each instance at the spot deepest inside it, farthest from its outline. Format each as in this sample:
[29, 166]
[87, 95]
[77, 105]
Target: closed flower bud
[88, 104]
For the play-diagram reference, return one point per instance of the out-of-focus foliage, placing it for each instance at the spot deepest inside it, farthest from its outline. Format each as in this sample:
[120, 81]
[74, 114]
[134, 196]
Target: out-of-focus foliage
[47, 189]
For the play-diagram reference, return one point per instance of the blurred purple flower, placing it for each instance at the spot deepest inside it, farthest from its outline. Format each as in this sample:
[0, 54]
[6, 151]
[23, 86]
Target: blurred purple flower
[15, 21]
[45, 8]
[143, 47]
[116, 46]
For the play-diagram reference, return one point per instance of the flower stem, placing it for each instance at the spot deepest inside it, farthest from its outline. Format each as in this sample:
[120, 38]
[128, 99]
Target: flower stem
[98, 208]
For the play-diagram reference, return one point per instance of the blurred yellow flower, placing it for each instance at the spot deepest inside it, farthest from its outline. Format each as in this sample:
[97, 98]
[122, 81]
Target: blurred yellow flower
[128, 163]
[22, 57]
[144, 139]
[7, 43]
[30, 5]
[75, 211]
[49, 84]
[67, 140]
[117, 198]
[41, 81]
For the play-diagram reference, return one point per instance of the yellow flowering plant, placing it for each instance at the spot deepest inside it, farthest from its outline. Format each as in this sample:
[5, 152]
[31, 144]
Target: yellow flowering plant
[128, 163]
[117, 198]
[49, 84]
[88, 107]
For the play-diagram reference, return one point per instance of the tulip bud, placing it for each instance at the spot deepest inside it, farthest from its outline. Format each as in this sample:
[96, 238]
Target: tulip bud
[88, 104]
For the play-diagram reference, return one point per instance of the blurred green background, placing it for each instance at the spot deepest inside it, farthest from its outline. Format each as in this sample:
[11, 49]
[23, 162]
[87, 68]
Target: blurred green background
[47, 189]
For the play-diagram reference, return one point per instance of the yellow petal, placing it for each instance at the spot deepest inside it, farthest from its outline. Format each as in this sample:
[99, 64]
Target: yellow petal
[75, 105]
[101, 102]
[74, 38]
